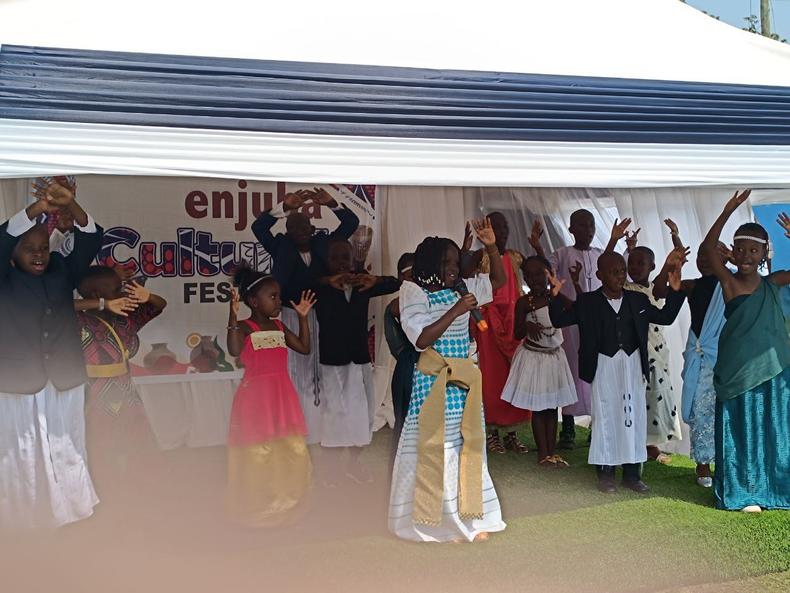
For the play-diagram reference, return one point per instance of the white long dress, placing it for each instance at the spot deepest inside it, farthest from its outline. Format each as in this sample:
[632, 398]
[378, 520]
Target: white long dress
[44, 479]
[663, 403]
[562, 260]
[419, 309]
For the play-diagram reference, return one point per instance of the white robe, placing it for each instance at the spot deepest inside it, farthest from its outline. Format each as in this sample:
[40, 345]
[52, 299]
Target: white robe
[44, 479]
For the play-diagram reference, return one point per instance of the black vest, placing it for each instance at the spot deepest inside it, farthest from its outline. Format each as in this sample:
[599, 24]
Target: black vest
[618, 330]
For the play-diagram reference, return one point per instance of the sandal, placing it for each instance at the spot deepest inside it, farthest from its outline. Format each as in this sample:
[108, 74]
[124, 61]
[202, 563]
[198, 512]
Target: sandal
[560, 462]
[548, 462]
[512, 443]
[494, 444]
[664, 459]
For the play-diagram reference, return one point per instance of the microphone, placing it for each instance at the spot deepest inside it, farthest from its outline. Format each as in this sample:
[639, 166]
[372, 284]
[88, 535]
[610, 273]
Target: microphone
[460, 288]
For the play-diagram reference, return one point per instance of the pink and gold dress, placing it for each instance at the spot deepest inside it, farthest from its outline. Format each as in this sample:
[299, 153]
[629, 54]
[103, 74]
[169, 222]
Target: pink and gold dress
[269, 465]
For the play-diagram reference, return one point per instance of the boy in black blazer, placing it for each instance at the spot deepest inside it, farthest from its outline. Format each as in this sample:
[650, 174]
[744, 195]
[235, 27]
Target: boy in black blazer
[346, 370]
[613, 357]
[44, 478]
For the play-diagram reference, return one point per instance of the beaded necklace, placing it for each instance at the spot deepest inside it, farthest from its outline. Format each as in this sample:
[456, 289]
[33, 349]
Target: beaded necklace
[534, 318]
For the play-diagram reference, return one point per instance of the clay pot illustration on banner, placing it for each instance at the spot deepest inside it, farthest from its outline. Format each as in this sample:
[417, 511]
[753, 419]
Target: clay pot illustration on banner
[204, 353]
[160, 359]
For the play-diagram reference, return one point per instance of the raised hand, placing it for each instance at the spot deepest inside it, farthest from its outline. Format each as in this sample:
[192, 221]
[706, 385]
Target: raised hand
[784, 222]
[122, 306]
[294, 201]
[537, 233]
[631, 240]
[673, 228]
[556, 283]
[677, 257]
[619, 229]
[485, 234]
[234, 303]
[51, 195]
[321, 196]
[306, 303]
[341, 281]
[137, 293]
[575, 272]
[726, 254]
[468, 237]
[365, 281]
[736, 200]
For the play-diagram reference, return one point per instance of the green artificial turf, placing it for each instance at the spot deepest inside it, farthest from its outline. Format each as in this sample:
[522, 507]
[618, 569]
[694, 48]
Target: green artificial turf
[563, 535]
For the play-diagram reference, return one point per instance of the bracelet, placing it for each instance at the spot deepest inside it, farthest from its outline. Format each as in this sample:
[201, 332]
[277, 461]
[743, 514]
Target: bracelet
[234, 327]
[101, 304]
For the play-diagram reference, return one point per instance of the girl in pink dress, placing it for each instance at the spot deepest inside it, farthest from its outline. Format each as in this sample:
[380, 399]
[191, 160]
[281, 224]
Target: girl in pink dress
[269, 465]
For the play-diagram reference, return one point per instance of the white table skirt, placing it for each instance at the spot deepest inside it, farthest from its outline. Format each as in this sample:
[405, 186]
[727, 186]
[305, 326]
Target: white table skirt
[194, 410]
[189, 413]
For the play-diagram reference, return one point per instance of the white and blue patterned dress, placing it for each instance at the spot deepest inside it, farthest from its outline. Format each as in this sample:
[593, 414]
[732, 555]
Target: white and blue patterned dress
[420, 309]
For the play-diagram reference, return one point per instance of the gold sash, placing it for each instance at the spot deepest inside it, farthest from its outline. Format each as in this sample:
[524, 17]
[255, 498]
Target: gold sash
[429, 486]
[105, 371]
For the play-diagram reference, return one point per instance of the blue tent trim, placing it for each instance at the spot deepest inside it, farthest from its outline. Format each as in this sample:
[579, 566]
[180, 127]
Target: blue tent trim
[310, 98]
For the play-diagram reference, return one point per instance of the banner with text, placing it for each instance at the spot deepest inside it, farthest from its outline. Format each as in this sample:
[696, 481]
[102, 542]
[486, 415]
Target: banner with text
[183, 237]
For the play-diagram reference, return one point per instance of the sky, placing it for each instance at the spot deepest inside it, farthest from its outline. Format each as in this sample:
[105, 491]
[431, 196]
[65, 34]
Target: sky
[734, 12]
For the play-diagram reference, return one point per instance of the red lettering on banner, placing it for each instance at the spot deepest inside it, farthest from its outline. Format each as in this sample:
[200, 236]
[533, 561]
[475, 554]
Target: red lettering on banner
[243, 207]
[196, 199]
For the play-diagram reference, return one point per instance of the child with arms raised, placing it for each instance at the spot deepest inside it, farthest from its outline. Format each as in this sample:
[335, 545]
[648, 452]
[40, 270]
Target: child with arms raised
[299, 259]
[663, 416]
[540, 378]
[346, 372]
[582, 228]
[44, 482]
[698, 404]
[752, 374]
[269, 466]
[110, 316]
[613, 358]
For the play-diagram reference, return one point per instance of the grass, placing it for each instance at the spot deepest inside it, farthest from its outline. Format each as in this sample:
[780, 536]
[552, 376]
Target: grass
[562, 536]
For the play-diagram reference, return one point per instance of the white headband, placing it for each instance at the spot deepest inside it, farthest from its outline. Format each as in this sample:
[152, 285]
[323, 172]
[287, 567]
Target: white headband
[769, 252]
[749, 238]
[254, 282]
[406, 269]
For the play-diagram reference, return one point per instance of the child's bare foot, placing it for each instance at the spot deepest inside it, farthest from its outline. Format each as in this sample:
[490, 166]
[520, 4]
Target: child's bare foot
[482, 536]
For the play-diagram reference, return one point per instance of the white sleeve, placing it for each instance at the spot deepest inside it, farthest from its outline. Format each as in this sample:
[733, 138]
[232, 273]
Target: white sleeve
[19, 224]
[414, 314]
[90, 227]
[278, 211]
[480, 286]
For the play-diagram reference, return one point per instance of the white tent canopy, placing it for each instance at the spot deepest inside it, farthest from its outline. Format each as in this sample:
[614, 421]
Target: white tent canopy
[650, 40]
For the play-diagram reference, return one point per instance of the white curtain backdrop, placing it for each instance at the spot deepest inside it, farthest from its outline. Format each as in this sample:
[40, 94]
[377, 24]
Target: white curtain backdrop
[412, 213]
[408, 214]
